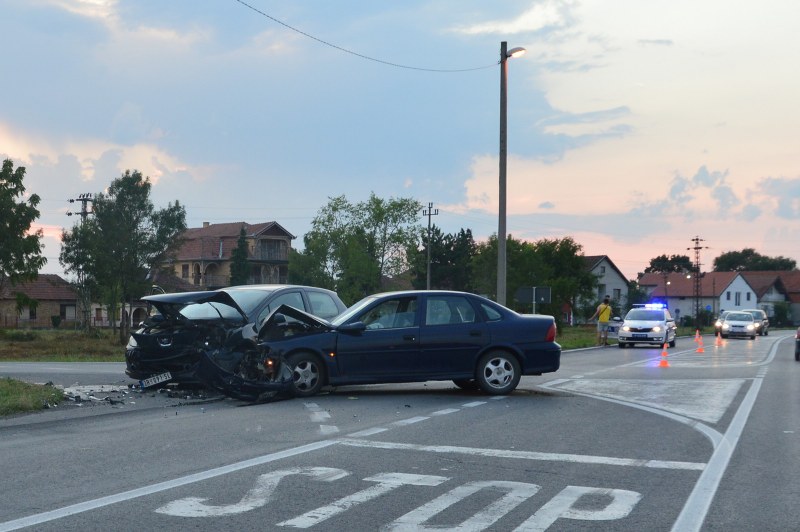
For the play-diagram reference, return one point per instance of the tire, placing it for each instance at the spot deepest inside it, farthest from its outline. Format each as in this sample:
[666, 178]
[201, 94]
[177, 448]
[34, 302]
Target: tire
[753, 337]
[797, 355]
[724, 335]
[466, 384]
[498, 373]
[308, 374]
[766, 332]
[622, 345]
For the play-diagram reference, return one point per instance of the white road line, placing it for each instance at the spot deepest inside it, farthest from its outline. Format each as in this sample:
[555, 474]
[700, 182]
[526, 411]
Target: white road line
[445, 411]
[527, 455]
[409, 421]
[81, 507]
[473, 404]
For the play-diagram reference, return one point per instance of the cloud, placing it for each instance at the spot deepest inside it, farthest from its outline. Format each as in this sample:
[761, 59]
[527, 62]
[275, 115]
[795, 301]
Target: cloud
[547, 14]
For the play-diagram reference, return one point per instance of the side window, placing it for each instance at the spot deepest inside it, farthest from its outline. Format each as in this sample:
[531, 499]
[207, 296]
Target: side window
[322, 305]
[443, 310]
[391, 314]
[491, 314]
[293, 299]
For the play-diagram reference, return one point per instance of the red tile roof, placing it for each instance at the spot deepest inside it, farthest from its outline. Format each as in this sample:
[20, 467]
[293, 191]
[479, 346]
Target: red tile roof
[216, 241]
[46, 287]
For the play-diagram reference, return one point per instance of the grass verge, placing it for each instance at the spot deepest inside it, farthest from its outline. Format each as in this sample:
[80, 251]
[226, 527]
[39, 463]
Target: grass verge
[17, 397]
[54, 345]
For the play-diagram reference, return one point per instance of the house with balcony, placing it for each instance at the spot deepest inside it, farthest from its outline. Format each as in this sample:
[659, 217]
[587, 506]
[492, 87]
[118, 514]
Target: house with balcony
[204, 255]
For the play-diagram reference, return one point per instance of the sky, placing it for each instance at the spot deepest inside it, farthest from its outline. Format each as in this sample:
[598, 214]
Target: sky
[634, 126]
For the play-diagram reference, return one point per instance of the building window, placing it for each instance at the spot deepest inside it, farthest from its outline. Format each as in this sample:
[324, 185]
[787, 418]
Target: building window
[617, 294]
[32, 313]
[602, 270]
[728, 296]
[748, 296]
[184, 271]
[738, 299]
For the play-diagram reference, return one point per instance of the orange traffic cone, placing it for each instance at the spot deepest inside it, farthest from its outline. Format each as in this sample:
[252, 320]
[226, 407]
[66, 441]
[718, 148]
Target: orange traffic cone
[664, 363]
[697, 336]
[718, 341]
[700, 347]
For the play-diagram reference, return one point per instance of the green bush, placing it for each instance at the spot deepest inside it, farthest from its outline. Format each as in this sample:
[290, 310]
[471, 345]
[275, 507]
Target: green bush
[56, 321]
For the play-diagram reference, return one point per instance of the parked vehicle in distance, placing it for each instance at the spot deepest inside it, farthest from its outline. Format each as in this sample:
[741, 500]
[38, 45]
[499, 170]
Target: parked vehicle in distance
[738, 323]
[648, 324]
[761, 320]
[168, 344]
[718, 322]
[407, 336]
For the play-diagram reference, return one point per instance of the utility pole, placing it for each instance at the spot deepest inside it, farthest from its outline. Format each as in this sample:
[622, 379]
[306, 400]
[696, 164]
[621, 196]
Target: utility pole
[697, 280]
[86, 300]
[430, 211]
[84, 199]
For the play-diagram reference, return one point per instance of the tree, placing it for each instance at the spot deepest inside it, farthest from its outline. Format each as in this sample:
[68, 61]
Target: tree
[749, 260]
[20, 248]
[126, 238]
[348, 241]
[451, 260]
[77, 257]
[240, 268]
[673, 263]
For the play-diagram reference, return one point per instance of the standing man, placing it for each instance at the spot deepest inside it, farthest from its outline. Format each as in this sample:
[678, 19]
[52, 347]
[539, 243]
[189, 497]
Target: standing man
[603, 315]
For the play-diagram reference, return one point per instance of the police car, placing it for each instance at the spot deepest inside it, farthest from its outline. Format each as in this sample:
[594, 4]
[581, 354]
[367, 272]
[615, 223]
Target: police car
[650, 323]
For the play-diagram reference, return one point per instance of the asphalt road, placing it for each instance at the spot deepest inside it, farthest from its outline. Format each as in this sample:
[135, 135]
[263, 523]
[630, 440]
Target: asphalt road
[617, 439]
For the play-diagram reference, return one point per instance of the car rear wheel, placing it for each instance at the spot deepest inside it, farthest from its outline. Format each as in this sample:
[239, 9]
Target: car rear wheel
[466, 384]
[498, 373]
[307, 374]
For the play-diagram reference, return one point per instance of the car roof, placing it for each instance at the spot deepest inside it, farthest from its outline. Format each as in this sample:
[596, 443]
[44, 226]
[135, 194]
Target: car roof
[275, 287]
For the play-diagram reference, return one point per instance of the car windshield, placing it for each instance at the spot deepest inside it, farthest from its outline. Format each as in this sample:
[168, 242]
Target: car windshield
[738, 316]
[249, 299]
[755, 313]
[352, 311]
[640, 314]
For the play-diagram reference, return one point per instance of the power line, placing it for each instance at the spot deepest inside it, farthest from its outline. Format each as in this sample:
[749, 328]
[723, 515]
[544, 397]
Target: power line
[362, 56]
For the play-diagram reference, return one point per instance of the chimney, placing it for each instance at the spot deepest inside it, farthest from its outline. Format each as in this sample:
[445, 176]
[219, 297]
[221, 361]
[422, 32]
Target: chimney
[205, 224]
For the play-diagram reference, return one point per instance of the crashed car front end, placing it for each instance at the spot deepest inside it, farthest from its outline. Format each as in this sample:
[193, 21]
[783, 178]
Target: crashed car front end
[169, 345]
[258, 371]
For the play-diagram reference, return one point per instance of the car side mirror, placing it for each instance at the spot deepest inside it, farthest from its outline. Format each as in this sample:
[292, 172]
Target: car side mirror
[356, 327]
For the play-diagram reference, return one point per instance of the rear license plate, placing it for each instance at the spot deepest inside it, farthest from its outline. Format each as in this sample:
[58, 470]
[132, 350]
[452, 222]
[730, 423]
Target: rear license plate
[155, 379]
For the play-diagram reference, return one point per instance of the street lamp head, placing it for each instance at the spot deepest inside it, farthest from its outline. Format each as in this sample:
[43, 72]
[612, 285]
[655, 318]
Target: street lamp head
[516, 52]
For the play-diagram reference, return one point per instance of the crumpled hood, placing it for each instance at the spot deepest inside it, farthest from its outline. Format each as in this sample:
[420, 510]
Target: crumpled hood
[170, 305]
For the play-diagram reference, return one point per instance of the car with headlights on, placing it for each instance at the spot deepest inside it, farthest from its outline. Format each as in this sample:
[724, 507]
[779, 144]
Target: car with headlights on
[761, 320]
[738, 324]
[648, 324]
[168, 344]
[718, 322]
[405, 336]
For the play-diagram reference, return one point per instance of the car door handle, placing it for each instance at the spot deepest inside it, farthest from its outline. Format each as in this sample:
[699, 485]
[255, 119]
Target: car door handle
[409, 337]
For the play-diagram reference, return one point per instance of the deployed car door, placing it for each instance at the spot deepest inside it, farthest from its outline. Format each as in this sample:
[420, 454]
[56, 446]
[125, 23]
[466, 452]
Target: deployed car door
[389, 344]
[451, 335]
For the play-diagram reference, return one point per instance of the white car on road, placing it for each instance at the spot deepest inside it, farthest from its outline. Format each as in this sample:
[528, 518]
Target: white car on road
[649, 324]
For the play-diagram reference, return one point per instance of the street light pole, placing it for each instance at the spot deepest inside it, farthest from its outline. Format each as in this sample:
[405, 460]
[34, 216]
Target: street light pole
[501, 226]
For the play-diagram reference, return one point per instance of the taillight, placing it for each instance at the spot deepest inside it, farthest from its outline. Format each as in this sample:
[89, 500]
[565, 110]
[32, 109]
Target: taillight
[551, 333]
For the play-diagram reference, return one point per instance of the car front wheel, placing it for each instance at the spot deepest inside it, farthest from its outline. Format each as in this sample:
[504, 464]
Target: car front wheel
[498, 373]
[307, 374]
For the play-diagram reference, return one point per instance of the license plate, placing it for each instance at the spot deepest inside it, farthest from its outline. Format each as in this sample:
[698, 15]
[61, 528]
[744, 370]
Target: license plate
[155, 379]
[639, 335]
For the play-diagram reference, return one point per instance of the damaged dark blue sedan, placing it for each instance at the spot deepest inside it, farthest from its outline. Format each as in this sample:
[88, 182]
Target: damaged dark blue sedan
[409, 336]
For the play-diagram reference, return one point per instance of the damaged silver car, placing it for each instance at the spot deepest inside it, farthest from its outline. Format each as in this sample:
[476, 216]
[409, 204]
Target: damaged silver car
[171, 342]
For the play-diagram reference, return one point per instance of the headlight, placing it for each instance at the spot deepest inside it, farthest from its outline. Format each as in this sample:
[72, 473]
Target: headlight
[718, 323]
[626, 328]
[132, 342]
[750, 326]
[726, 326]
[657, 328]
